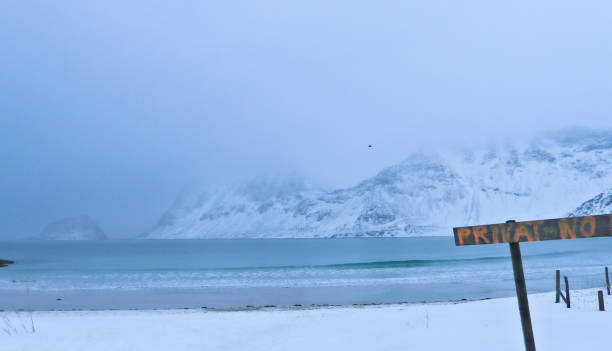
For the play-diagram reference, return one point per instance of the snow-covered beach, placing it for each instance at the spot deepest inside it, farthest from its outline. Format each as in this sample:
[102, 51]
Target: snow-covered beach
[477, 325]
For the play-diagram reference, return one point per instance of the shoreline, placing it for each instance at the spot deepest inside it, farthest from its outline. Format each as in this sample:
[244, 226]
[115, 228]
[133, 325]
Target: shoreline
[295, 307]
[235, 299]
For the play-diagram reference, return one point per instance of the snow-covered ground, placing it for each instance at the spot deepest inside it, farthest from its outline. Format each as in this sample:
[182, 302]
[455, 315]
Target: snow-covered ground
[480, 325]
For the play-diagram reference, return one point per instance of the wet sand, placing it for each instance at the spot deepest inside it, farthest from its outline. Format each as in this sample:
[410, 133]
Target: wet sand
[222, 299]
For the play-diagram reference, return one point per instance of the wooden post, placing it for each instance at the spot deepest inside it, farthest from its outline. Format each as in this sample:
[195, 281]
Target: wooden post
[567, 296]
[607, 281]
[557, 285]
[521, 294]
[601, 302]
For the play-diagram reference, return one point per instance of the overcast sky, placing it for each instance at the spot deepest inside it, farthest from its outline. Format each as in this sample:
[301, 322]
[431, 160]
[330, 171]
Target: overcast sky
[110, 107]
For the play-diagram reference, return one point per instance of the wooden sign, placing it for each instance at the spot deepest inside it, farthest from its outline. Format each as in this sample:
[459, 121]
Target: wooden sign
[547, 229]
[513, 232]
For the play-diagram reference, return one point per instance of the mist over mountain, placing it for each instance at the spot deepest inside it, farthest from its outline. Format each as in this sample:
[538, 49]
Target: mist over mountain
[72, 228]
[426, 194]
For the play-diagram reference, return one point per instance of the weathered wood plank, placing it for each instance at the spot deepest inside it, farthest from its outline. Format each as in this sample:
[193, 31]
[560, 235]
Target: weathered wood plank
[548, 229]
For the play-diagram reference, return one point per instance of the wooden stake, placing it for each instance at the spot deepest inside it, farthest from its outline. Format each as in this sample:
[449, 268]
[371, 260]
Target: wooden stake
[557, 285]
[521, 294]
[567, 296]
[607, 281]
[601, 302]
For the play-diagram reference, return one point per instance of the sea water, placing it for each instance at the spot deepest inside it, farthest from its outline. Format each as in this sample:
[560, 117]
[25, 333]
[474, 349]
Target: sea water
[282, 272]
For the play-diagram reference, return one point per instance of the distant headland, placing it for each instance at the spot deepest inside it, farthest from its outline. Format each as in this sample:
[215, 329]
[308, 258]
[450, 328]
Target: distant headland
[4, 263]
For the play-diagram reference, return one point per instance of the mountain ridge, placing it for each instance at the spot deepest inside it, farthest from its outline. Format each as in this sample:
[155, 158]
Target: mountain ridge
[422, 195]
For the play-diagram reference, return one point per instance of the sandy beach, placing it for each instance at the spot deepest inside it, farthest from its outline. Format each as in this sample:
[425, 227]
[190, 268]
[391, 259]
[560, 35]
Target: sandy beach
[477, 325]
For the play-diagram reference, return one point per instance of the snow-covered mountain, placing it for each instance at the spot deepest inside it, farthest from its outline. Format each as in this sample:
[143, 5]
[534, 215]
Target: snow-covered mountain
[600, 204]
[73, 228]
[423, 195]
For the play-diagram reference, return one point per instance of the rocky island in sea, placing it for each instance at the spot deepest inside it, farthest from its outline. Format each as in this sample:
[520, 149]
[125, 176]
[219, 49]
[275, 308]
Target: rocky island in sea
[4, 263]
[72, 228]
